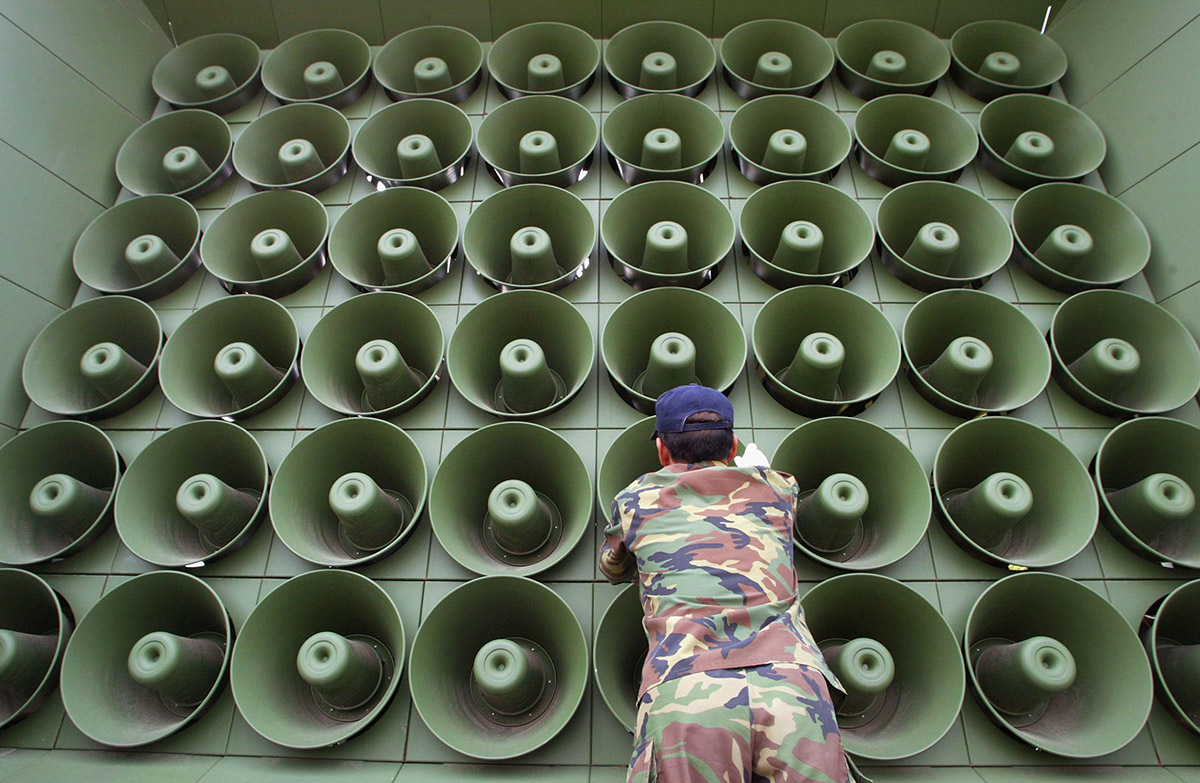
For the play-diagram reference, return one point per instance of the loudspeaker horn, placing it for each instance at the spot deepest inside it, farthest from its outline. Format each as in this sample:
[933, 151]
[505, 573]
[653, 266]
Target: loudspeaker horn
[540, 138]
[511, 498]
[318, 660]
[937, 235]
[620, 651]
[521, 354]
[35, 624]
[1073, 238]
[666, 337]
[1168, 632]
[498, 667]
[421, 142]
[864, 498]
[145, 247]
[969, 353]
[659, 57]
[530, 237]
[218, 73]
[96, 359]
[439, 62]
[302, 147]
[193, 495]
[797, 233]
[667, 234]
[544, 58]
[186, 153]
[57, 492]
[377, 354]
[775, 57]
[397, 239]
[784, 137]
[906, 138]
[1148, 471]
[824, 351]
[148, 659]
[1029, 140]
[663, 137]
[231, 359]
[349, 493]
[886, 56]
[1122, 356]
[1013, 495]
[897, 659]
[993, 58]
[1056, 666]
[271, 243]
[332, 67]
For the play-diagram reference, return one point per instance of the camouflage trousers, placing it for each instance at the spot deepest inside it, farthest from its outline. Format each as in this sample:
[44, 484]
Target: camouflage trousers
[763, 723]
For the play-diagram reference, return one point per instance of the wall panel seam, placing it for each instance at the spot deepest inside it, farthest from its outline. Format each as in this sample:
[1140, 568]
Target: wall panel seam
[1157, 169]
[1185, 289]
[1138, 62]
[66, 182]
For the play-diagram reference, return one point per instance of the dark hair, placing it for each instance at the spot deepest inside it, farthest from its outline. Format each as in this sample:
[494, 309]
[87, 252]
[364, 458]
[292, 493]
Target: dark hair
[699, 445]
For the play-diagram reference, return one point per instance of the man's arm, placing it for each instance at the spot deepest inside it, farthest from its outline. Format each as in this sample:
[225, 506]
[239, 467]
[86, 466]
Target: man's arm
[616, 561]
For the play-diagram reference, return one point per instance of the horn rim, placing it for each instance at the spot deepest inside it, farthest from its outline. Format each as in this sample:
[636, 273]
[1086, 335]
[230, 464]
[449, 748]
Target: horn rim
[223, 170]
[745, 86]
[626, 113]
[350, 93]
[443, 177]
[1151, 623]
[628, 90]
[455, 93]
[980, 87]
[756, 171]
[66, 626]
[581, 37]
[892, 175]
[566, 175]
[607, 629]
[993, 159]
[262, 126]
[239, 96]
[868, 88]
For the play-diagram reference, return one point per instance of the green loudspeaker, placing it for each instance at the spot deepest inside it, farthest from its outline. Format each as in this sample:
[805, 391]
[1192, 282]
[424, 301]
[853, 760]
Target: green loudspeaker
[993, 58]
[864, 498]
[774, 56]
[1122, 355]
[659, 57]
[194, 495]
[620, 651]
[970, 353]
[185, 153]
[823, 351]
[511, 498]
[796, 233]
[1056, 666]
[421, 142]
[377, 354]
[886, 56]
[906, 138]
[1168, 631]
[667, 234]
[540, 138]
[398, 239]
[1012, 494]
[96, 359]
[349, 493]
[318, 660]
[531, 236]
[1072, 238]
[1033, 139]
[788, 137]
[35, 623]
[332, 67]
[498, 667]
[144, 247]
[148, 659]
[303, 147]
[897, 659]
[1148, 471]
[654, 137]
[430, 62]
[667, 337]
[270, 243]
[231, 359]
[521, 354]
[56, 495]
[936, 235]
[218, 72]
[544, 58]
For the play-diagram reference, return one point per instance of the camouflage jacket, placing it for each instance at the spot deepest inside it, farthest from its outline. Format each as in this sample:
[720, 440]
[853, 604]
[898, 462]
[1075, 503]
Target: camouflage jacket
[712, 548]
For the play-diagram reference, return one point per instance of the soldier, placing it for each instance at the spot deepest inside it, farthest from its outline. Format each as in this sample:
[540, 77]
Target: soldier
[734, 686]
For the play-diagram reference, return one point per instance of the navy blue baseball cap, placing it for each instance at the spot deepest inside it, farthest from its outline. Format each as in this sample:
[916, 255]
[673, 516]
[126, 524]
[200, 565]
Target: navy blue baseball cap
[675, 405]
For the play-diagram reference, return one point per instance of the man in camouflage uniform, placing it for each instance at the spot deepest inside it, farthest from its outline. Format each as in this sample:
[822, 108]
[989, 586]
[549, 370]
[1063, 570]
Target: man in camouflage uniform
[734, 687]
